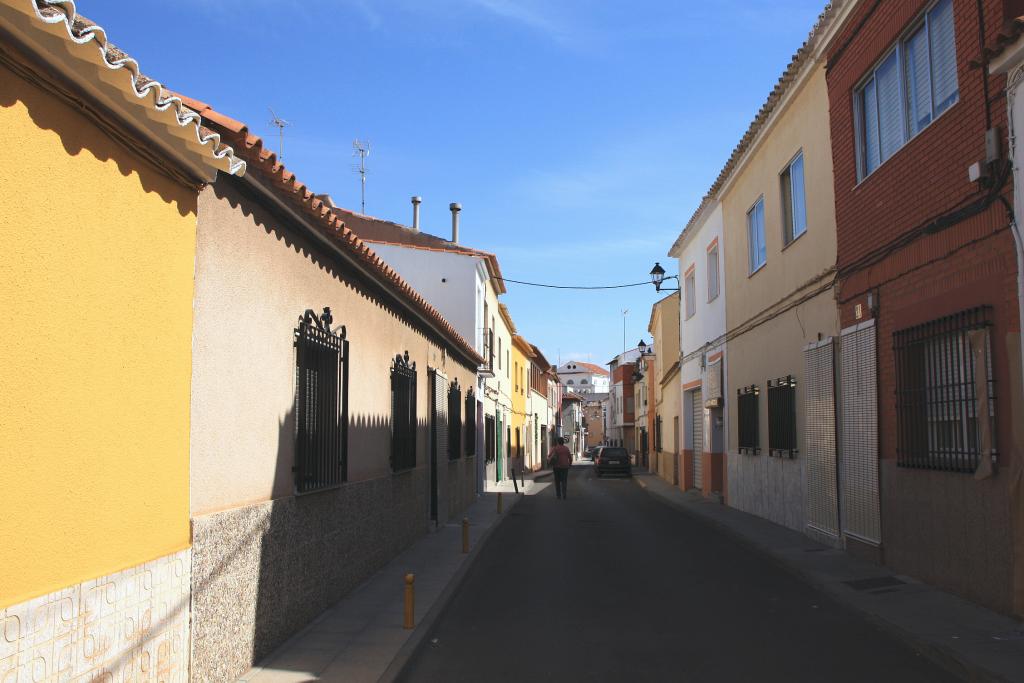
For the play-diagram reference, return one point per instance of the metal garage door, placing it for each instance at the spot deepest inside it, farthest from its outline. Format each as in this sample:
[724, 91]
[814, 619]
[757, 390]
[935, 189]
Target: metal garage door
[698, 440]
[820, 437]
[858, 470]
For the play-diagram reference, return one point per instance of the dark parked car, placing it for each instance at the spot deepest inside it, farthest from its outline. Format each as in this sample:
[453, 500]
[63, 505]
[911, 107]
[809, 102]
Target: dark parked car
[612, 460]
[591, 452]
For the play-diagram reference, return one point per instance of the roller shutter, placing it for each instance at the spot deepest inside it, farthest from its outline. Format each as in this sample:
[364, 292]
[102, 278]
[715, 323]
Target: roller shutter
[698, 440]
[820, 437]
[858, 471]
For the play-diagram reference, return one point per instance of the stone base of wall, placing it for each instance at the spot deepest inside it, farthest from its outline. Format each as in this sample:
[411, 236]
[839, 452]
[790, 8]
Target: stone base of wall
[768, 487]
[132, 625]
[262, 572]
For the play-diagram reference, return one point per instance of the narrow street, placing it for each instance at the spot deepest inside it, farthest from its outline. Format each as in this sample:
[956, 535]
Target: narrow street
[613, 584]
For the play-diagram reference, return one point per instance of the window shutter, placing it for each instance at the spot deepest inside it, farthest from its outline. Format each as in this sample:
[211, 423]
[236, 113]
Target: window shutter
[858, 470]
[943, 67]
[869, 104]
[890, 110]
[919, 93]
[796, 176]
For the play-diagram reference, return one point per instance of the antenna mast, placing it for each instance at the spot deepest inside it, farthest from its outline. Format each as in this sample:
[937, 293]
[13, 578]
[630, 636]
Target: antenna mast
[362, 150]
[276, 120]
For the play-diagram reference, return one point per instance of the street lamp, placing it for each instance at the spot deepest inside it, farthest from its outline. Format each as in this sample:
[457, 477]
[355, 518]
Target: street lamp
[658, 277]
[642, 347]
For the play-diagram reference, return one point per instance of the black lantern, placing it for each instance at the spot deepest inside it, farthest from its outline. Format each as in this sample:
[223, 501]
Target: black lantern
[642, 347]
[658, 278]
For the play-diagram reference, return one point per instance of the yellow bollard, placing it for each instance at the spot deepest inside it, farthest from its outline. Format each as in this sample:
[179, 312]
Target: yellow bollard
[410, 601]
[465, 535]
[499, 502]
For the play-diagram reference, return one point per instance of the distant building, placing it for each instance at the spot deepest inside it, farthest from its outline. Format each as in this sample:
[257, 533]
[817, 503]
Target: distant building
[621, 403]
[583, 378]
[595, 410]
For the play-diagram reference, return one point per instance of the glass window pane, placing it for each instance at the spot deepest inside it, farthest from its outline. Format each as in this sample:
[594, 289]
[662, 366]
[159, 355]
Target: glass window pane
[890, 110]
[796, 174]
[762, 248]
[752, 239]
[943, 48]
[919, 93]
[869, 115]
[713, 274]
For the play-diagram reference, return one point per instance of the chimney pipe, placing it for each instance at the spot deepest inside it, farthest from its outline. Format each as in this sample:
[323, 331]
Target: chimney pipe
[455, 221]
[416, 213]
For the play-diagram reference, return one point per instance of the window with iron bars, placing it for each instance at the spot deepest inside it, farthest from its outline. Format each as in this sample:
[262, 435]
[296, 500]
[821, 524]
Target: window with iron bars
[747, 419]
[321, 403]
[943, 384]
[470, 424]
[403, 413]
[454, 421]
[782, 416]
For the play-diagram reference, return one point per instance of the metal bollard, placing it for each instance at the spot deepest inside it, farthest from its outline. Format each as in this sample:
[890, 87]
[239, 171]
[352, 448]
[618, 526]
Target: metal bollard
[499, 502]
[465, 535]
[410, 601]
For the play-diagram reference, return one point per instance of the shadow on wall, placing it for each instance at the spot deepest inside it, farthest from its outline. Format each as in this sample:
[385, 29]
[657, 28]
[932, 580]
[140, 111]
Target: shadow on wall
[54, 108]
[234, 191]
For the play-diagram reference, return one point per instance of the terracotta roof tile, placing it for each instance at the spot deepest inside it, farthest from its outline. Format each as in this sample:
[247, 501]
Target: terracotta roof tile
[264, 162]
[380, 231]
[144, 90]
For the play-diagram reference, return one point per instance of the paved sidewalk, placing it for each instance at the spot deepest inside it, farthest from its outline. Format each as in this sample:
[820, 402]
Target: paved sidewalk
[361, 636]
[971, 641]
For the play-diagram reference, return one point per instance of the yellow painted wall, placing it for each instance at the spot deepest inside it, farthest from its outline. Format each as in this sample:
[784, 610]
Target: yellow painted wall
[96, 304]
[520, 387]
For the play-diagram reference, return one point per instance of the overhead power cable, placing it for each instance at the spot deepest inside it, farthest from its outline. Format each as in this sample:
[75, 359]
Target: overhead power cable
[539, 284]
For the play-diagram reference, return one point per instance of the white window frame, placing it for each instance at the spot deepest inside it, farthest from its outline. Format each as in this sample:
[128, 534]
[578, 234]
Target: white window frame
[901, 70]
[752, 267]
[713, 270]
[789, 234]
[690, 287]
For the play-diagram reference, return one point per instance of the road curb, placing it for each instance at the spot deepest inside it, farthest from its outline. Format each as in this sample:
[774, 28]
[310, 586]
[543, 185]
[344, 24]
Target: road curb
[419, 634]
[945, 657]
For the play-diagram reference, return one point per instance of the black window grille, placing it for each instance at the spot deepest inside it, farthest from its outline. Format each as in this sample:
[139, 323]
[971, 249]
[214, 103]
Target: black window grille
[747, 419]
[489, 438]
[403, 413]
[454, 421]
[321, 403]
[470, 423]
[657, 434]
[782, 416]
[938, 388]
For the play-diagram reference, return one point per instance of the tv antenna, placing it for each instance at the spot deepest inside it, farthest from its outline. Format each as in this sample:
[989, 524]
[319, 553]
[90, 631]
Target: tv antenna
[362, 150]
[276, 120]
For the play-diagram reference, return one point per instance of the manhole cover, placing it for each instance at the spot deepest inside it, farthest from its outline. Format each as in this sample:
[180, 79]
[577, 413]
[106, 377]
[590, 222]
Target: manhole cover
[874, 582]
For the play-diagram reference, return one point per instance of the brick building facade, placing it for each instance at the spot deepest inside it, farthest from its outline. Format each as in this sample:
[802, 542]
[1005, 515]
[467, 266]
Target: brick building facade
[925, 257]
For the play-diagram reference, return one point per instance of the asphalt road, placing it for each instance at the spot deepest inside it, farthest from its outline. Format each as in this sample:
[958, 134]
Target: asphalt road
[615, 585]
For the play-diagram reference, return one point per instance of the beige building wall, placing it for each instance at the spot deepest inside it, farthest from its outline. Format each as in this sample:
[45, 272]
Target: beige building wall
[243, 348]
[266, 562]
[766, 331]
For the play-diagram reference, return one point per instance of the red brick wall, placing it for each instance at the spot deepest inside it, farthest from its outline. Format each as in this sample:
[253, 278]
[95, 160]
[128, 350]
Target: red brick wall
[933, 523]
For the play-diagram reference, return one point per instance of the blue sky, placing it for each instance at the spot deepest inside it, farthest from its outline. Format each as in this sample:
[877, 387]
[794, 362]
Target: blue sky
[578, 135]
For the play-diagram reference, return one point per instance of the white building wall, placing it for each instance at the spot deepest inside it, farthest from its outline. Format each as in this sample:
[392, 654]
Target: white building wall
[447, 280]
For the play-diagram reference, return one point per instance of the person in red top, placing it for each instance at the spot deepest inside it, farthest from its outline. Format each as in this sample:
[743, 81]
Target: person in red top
[560, 458]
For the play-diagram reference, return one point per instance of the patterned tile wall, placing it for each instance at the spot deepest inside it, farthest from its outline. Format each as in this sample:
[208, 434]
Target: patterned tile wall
[129, 626]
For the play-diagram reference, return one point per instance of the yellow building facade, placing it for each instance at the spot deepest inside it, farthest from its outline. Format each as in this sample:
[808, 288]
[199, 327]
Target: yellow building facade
[96, 289]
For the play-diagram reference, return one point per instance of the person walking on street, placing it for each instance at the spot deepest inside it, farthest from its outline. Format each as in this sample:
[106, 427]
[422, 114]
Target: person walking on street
[560, 459]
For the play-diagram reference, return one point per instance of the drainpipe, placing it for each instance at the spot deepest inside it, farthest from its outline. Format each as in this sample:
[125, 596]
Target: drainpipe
[455, 221]
[416, 213]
